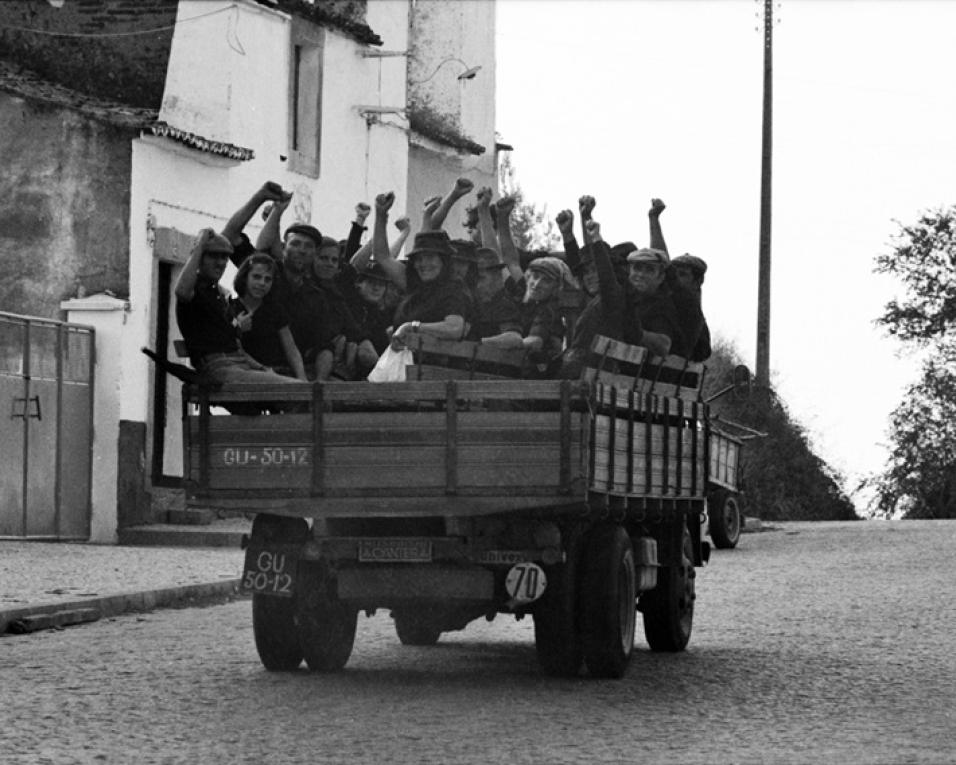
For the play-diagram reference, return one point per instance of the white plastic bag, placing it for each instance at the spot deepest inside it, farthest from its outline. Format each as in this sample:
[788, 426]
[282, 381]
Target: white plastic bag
[391, 366]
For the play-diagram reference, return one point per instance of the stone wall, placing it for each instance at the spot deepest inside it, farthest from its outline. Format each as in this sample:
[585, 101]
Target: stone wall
[64, 207]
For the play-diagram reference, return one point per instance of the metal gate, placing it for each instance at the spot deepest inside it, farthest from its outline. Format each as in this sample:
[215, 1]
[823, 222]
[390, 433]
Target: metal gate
[46, 405]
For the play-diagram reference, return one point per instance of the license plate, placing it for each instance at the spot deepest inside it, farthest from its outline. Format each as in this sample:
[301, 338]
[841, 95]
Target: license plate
[269, 572]
[395, 550]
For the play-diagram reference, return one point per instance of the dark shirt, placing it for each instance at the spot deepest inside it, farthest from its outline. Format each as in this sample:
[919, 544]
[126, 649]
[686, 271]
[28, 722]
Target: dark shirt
[430, 302]
[303, 303]
[541, 319]
[371, 321]
[262, 340]
[205, 322]
[338, 318]
[655, 313]
[497, 315]
[693, 325]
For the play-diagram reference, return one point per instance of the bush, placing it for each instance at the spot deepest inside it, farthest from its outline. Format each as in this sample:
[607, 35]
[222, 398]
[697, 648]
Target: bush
[781, 477]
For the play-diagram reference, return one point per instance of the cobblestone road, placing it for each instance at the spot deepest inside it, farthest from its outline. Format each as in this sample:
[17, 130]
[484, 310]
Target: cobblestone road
[815, 643]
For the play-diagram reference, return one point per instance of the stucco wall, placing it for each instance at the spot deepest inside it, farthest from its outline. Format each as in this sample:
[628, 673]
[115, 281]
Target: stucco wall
[242, 98]
[446, 39]
[64, 206]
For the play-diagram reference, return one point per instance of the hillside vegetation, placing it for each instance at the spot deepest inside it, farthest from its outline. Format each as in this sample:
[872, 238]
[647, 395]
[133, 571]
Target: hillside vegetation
[782, 478]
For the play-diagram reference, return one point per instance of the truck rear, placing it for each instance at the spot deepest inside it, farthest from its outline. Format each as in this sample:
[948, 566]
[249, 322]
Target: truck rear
[447, 500]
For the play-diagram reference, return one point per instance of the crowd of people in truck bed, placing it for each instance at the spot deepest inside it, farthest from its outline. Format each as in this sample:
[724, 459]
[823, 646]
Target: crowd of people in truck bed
[307, 306]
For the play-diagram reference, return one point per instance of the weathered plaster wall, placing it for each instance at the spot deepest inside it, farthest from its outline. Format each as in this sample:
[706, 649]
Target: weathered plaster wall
[129, 68]
[445, 39]
[64, 206]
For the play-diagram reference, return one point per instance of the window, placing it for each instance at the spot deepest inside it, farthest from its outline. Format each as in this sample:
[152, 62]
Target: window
[305, 98]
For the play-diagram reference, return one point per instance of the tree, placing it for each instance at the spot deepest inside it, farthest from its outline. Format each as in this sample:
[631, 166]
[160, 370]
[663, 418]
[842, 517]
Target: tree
[782, 478]
[919, 480]
[531, 227]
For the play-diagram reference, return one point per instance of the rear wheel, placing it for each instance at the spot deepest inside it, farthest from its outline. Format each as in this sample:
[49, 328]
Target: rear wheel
[557, 636]
[273, 618]
[326, 625]
[273, 626]
[608, 602]
[724, 516]
[669, 608]
[414, 629]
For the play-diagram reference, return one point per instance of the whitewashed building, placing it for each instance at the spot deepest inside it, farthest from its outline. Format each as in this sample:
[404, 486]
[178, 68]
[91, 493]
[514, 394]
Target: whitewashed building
[336, 101]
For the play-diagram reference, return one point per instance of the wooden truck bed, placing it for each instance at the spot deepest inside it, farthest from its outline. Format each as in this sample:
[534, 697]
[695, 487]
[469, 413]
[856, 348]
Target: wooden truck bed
[413, 448]
[633, 430]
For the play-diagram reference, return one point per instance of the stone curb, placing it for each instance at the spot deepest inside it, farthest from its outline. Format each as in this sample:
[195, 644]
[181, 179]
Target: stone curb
[130, 602]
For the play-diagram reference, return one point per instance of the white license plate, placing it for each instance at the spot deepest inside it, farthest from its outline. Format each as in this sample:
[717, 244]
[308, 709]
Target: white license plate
[395, 550]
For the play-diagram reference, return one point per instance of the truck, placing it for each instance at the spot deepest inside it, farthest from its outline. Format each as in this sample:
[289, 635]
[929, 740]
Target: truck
[465, 492]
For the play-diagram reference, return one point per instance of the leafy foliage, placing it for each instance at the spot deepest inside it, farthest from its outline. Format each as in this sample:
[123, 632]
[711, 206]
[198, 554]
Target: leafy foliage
[531, 228]
[924, 260]
[782, 478]
[919, 480]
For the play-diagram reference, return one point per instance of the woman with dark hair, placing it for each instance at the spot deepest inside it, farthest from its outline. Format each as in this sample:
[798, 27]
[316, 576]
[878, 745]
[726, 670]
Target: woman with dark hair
[262, 323]
[435, 303]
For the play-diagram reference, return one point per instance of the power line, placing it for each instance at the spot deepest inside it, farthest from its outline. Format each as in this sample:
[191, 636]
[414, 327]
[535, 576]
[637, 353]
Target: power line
[114, 34]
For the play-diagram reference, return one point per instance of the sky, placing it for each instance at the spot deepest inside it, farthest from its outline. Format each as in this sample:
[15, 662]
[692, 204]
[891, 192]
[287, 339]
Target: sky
[632, 99]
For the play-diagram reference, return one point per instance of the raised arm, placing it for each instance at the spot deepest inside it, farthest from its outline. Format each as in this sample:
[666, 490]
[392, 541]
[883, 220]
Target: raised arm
[586, 207]
[185, 287]
[654, 219]
[508, 252]
[611, 292]
[428, 209]
[462, 188]
[383, 255]
[486, 228]
[404, 226]
[572, 253]
[354, 242]
[269, 239]
[268, 192]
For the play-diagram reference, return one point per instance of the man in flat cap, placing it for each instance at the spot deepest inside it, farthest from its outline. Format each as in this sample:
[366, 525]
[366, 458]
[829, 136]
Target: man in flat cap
[685, 276]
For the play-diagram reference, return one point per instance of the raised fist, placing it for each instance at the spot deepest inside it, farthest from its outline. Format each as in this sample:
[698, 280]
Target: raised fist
[565, 221]
[403, 223]
[586, 206]
[484, 196]
[463, 186]
[271, 190]
[505, 205]
[432, 204]
[384, 202]
[594, 229]
[657, 207]
[361, 212]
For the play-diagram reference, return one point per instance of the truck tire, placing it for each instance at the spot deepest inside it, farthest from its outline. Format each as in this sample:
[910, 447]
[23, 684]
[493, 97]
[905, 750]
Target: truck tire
[557, 633]
[724, 515]
[273, 619]
[669, 608]
[274, 630]
[413, 629]
[326, 625]
[608, 602]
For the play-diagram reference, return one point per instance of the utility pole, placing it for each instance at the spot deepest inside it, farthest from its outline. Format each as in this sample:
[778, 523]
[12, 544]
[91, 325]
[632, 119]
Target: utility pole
[763, 282]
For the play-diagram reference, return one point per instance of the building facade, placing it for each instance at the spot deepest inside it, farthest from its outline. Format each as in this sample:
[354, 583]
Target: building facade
[121, 162]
